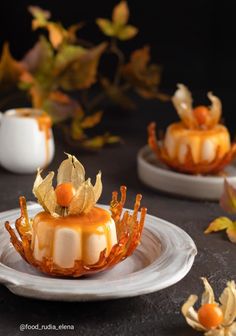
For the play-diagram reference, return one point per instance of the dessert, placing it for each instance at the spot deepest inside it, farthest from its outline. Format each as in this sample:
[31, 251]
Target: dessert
[213, 317]
[72, 236]
[198, 144]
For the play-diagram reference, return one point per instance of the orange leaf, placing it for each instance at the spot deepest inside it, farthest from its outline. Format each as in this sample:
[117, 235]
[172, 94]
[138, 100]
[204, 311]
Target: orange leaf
[40, 16]
[106, 26]
[80, 72]
[92, 120]
[120, 14]
[143, 76]
[10, 69]
[56, 34]
[61, 107]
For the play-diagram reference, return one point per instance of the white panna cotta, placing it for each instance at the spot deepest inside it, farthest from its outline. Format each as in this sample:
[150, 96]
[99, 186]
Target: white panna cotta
[74, 237]
[204, 145]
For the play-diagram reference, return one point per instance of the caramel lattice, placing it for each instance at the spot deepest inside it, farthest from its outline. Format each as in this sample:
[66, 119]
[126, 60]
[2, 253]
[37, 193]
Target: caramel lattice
[128, 226]
[189, 166]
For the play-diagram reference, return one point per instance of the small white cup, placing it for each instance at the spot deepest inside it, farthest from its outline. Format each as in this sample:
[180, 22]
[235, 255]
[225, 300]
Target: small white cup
[26, 140]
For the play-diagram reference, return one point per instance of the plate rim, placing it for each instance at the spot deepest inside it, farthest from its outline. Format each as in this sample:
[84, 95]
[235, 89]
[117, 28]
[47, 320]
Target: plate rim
[174, 183]
[78, 289]
[146, 149]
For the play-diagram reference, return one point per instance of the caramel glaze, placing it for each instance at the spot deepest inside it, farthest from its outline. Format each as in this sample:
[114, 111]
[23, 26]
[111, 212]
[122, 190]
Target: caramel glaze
[44, 125]
[97, 221]
[196, 137]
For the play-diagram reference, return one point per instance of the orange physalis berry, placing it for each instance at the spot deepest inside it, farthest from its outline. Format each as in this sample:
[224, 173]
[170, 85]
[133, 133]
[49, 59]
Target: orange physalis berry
[201, 113]
[210, 315]
[64, 194]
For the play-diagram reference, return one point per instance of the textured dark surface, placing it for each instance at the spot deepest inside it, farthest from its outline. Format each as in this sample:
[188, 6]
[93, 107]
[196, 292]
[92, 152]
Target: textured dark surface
[154, 314]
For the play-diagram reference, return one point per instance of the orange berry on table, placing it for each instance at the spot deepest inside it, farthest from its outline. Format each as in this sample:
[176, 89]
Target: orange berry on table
[210, 315]
[64, 193]
[201, 113]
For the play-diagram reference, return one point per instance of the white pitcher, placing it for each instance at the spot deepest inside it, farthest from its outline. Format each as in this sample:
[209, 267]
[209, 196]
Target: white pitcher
[26, 140]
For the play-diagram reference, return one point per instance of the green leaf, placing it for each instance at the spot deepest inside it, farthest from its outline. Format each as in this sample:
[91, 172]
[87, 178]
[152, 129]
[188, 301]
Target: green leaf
[99, 141]
[92, 120]
[66, 56]
[40, 16]
[81, 71]
[126, 32]
[106, 26]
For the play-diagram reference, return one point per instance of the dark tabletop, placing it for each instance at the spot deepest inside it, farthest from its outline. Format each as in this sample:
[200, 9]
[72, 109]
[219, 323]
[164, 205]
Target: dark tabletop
[153, 314]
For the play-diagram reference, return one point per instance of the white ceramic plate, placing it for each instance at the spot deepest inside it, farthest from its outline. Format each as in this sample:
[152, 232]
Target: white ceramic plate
[164, 257]
[158, 176]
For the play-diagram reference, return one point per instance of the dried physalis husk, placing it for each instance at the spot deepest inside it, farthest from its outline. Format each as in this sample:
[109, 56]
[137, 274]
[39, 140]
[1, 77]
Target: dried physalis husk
[44, 192]
[215, 110]
[85, 197]
[227, 305]
[71, 170]
[182, 101]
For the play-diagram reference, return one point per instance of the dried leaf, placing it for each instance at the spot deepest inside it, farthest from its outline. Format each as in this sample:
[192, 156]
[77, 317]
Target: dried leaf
[76, 131]
[44, 192]
[92, 120]
[219, 224]
[71, 170]
[39, 61]
[118, 26]
[120, 14]
[56, 34]
[228, 301]
[208, 295]
[190, 314]
[116, 95]
[144, 77]
[106, 26]
[99, 141]
[228, 199]
[97, 189]
[10, 70]
[84, 199]
[80, 72]
[127, 32]
[56, 31]
[66, 56]
[41, 16]
[61, 107]
[71, 32]
[223, 223]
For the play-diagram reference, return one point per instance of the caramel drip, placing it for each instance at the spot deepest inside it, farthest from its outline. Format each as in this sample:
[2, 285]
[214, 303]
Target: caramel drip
[95, 222]
[194, 139]
[44, 124]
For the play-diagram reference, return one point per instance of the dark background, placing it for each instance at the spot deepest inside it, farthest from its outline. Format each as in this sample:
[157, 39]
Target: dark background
[194, 41]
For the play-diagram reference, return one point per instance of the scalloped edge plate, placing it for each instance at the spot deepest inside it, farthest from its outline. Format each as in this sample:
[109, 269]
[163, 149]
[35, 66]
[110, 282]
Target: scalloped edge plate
[163, 269]
[156, 175]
